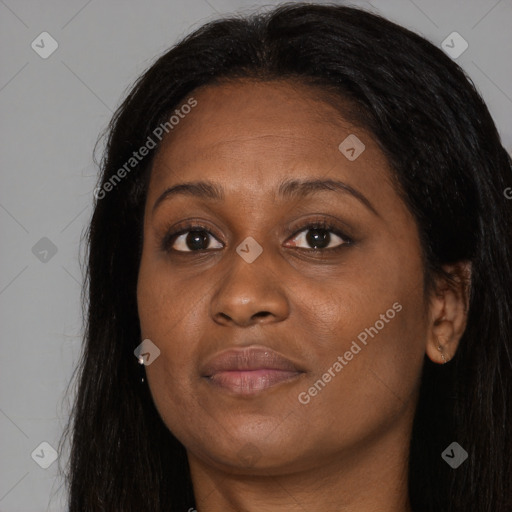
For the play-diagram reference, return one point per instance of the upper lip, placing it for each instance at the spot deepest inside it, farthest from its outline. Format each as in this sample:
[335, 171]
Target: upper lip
[248, 358]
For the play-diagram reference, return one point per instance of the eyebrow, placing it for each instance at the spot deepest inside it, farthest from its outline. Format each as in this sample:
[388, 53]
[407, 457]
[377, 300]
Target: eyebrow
[287, 189]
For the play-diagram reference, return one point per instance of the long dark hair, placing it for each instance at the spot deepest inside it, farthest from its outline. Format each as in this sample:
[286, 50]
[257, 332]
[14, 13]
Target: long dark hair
[451, 170]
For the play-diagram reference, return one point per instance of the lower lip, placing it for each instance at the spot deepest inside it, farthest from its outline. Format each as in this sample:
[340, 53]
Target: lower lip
[248, 382]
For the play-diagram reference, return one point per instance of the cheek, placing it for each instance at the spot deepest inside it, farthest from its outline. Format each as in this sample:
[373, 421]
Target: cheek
[169, 320]
[369, 375]
[167, 305]
[362, 387]
[367, 369]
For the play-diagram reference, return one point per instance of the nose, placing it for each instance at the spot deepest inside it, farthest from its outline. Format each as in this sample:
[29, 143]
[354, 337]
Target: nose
[249, 293]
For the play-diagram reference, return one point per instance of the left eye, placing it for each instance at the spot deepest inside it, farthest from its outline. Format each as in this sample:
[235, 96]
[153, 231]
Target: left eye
[318, 237]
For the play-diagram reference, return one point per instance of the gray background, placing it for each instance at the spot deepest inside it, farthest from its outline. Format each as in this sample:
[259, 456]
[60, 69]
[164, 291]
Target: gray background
[52, 111]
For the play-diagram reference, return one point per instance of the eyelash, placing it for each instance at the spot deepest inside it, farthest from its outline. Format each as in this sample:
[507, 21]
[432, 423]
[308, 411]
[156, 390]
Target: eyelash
[169, 238]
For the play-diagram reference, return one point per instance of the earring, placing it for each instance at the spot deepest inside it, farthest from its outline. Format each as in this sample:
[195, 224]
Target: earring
[141, 362]
[440, 348]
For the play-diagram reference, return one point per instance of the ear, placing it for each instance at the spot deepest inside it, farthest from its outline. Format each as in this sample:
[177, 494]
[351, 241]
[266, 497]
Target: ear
[448, 309]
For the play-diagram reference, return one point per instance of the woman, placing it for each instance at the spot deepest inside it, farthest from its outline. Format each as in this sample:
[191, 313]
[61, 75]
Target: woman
[299, 283]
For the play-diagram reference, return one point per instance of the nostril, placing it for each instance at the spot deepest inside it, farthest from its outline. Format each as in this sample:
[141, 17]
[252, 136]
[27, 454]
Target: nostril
[262, 314]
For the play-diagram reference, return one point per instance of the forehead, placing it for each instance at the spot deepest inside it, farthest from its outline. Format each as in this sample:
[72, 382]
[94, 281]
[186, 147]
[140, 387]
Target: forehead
[249, 133]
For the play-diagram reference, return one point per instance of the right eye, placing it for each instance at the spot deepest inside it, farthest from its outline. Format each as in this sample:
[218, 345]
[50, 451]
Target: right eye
[193, 238]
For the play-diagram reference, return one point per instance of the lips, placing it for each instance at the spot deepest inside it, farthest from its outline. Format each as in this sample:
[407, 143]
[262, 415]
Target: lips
[249, 370]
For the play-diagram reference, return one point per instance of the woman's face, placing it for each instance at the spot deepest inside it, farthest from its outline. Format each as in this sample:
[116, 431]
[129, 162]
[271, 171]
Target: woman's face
[342, 305]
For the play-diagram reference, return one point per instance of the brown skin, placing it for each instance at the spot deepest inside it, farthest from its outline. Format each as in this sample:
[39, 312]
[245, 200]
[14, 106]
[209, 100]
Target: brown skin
[347, 449]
